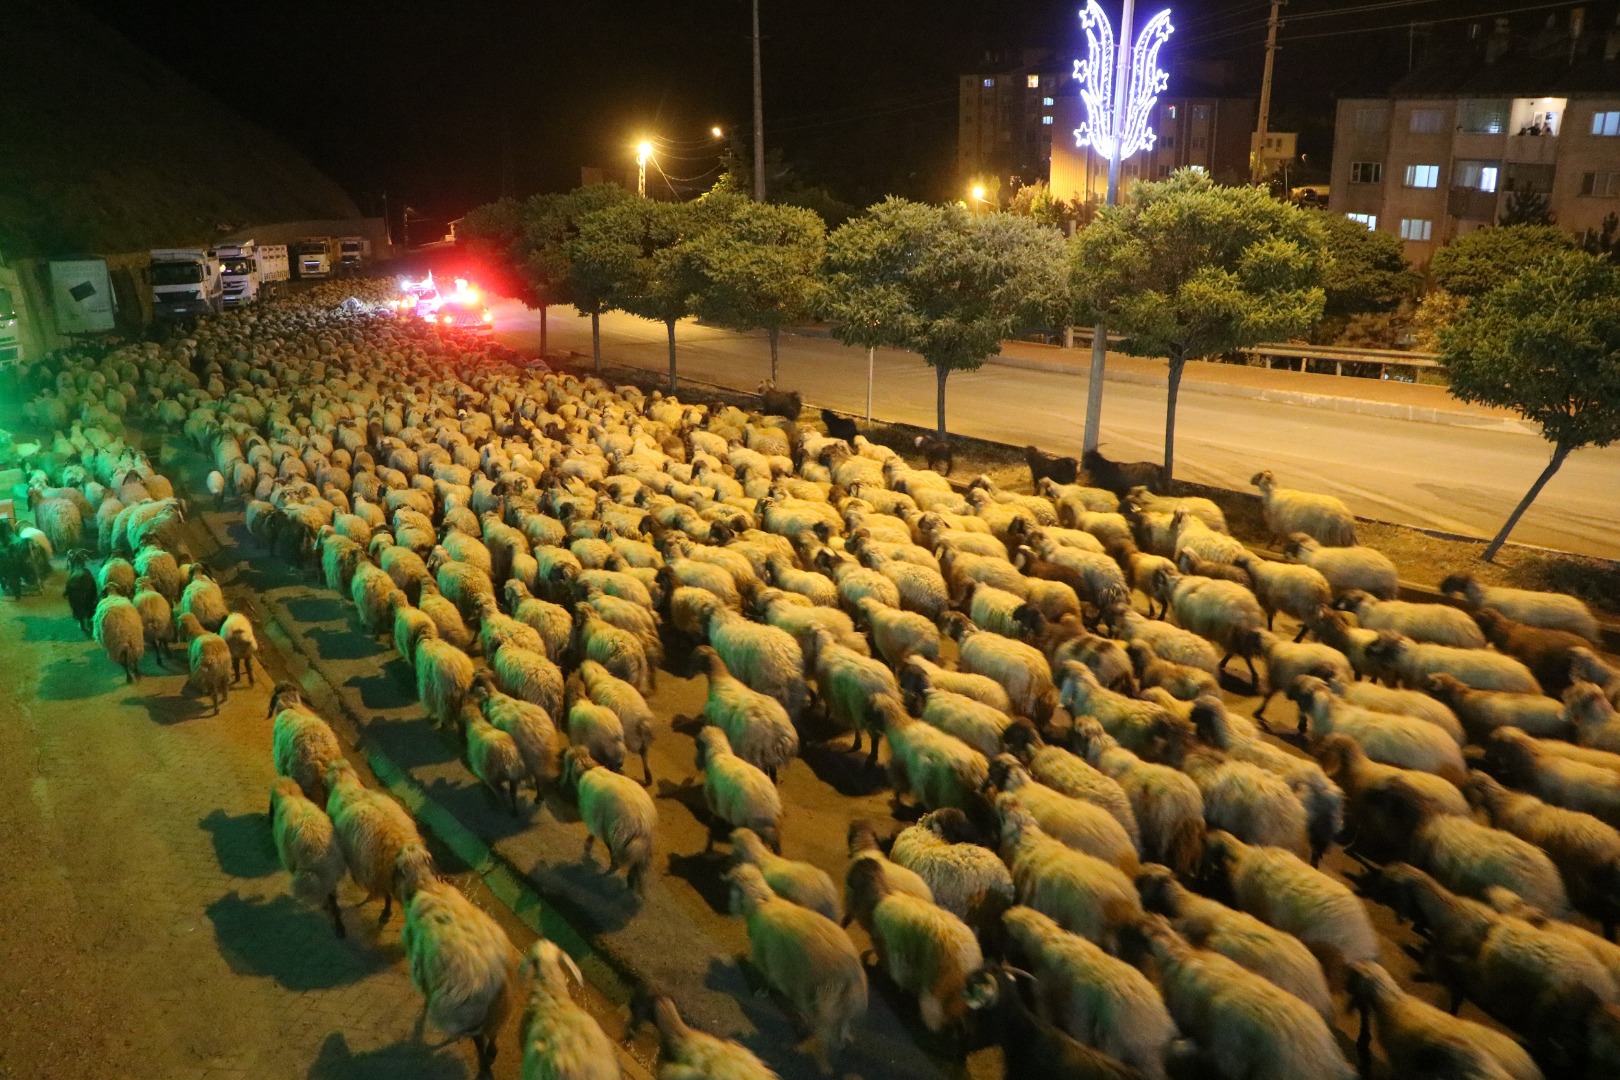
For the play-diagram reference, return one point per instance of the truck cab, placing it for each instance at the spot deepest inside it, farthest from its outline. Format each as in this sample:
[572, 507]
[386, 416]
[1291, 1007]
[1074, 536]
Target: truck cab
[186, 283]
[10, 345]
[239, 267]
[353, 253]
[315, 257]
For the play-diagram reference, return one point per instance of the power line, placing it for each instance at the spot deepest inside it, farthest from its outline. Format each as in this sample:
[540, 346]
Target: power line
[1475, 17]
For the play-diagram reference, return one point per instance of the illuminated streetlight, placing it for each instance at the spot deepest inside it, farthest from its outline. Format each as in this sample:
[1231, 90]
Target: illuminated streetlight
[978, 192]
[644, 151]
[716, 132]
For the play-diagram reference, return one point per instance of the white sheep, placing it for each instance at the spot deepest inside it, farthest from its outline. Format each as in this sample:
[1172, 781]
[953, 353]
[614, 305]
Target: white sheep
[1250, 803]
[237, 631]
[1167, 642]
[803, 883]
[764, 658]
[1020, 669]
[1393, 740]
[1532, 765]
[372, 829]
[1287, 510]
[530, 728]
[210, 660]
[307, 848]
[851, 686]
[757, 724]
[1082, 825]
[938, 769]
[527, 675]
[736, 792]
[1550, 611]
[370, 590]
[1411, 663]
[302, 744]
[1595, 721]
[444, 675]
[918, 674]
[118, 629]
[1168, 806]
[966, 879]
[688, 1054]
[975, 723]
[595, 727]
[1064, 771]
[157, 618]
[863, 847]
[803, 956]
[1439, 624]
[411, 625]
[1419, 1038]
[494, 758]
[1220, 611]
[616, 810]
[1346, 568]
[635, 717]
[1082, 894]
[561, 1041]
[899, 634]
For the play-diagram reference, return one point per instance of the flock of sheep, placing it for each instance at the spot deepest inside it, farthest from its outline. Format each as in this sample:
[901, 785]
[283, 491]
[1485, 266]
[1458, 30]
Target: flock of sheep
[1113, 874]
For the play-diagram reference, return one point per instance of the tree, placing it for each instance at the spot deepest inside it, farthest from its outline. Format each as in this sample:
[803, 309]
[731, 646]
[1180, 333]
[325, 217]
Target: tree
[1545, 344]
[634, 252]
[1479, 261]
[493, 235]
[1037, 201]
[1526, 207]
[757, 267]
[1602, 240]
[1366, 271]
[1187, 269]
[941, 282]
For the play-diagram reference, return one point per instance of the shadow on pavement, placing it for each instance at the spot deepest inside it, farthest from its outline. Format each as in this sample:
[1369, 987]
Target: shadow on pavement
[412, 1059]
[341, 644]
[389, 689]
[586, 894]
[242, 843]
[294, 945]
[706, 875]
[844, 771]
[170, 704]
[51, 628]
[316, 609]
[73, 678]
[476, 807]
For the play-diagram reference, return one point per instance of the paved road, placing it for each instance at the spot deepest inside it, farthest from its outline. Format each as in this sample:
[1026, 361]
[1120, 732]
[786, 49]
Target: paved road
[1460, 480]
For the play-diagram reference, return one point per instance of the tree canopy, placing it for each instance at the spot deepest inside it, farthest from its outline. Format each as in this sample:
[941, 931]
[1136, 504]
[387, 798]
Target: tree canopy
[1546, 344]
[1479, 261]
[942, 282]
[1365, 270]
[1188, 269]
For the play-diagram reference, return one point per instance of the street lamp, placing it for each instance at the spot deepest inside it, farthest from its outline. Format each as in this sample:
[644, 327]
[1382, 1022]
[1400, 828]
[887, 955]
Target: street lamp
[716, 132]
[644, 151]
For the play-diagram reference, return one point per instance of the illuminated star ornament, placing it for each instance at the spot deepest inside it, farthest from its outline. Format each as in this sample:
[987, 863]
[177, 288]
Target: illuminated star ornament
[1144, 81]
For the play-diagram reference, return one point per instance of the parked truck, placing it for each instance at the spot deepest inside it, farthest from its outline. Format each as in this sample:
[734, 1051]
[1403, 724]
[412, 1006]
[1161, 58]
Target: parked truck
[186, 283]
[354, 252]
[251, 271]
[10, 332]
[315, 257]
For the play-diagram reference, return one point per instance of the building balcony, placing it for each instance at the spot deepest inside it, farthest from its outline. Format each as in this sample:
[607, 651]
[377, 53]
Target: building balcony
[1469, 144]
[1471, 204]
[1532, 149]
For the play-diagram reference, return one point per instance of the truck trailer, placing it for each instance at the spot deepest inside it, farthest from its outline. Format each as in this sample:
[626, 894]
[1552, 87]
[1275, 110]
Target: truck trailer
[251, 271]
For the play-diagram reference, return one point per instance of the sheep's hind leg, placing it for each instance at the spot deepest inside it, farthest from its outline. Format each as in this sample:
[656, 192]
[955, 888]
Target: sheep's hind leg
[337, 915]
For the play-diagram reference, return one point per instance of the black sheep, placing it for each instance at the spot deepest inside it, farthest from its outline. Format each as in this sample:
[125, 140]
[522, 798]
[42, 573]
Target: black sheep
[937, 452]
[774, 402]
[81, 589]
[838, 427]
[1060, 470]
[15, 560]
[1120, 476]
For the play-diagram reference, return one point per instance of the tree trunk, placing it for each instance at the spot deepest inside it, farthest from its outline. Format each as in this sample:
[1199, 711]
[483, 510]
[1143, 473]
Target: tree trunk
[596, 339]
[669, 324]
[1177, 365]
[1560, 452]
[543, 309]
[773, 334]
[941, 373]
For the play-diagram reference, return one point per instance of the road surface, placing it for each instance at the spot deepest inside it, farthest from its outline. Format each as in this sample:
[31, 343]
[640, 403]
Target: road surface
[1456, 479]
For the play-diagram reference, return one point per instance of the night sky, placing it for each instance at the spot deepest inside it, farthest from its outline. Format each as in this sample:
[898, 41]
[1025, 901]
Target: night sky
[445, 104]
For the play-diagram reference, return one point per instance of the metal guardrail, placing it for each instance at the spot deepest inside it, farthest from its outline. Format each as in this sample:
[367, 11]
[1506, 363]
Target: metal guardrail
[1338, 355]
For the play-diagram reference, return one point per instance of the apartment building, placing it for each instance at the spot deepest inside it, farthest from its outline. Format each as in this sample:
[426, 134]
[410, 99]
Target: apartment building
[1478, 120]
[1006, 118]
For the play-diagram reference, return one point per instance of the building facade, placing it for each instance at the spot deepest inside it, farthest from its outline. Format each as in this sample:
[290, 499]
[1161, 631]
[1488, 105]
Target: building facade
[1501, 115]
[1007, 114]
[1212, 134]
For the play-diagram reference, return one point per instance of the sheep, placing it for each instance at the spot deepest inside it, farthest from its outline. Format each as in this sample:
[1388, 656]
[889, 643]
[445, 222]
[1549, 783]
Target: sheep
[1362, 778]
[803, 883]
[798, 617]
[1551, 611]
[926, 950]
[967, 880]
[307, 848]
[938, 769]
[756, 724]
[162, 568]
[244, 646]
[1065, 772]
[1081, 825]
[1547, 653]
[302, 744]
[1082, 894]
[1279, 958]
[157, 619]
[551, 621]
[1120, 477]
[1250, 803]
[686, 1053]
[1410, 663]
[1101, 1001]
[918, 674]
[803, 956]
[1019, 668]
[1601, 949]
[411, 625]
[561, 1041]
[977, 724]
[202, 597]
[1189, 563]
[616, 810]
[1585, 850]
[1032, 1045]
[621, 652]
[116, 572]
[80, 590]
[1437, 624]
[527, 675]
[1284, 892]
[1584, 664]
[459, 957]
[764, 658]
[1220, 611]
[1182, 681]
[595, 727]
[1346, 568]
[1168, 807]
[1287, 660]
[899, 634]
[736, 792]
[1483, 711]
[1413, 703]
[529, 727]
[1595, 721]
[862, 844]
[1049, 467]
[444, 675]
[635, 717]
[447, 621]
[1391, 739]
[1338, 630]
[59, 519]
[1287, 510]
[210, 661]
[494, 758]
[1143, 727]
[1168, 642]
[1418, 1038]
[1528, 765]
[373, 830]
[850, 687]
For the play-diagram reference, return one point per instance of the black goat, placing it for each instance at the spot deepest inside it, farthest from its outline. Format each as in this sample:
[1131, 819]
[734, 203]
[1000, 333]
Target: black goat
[937, 452]
[839, 427]
[1060, 470]
[1120, 476]
[80, 590]
[774, 402]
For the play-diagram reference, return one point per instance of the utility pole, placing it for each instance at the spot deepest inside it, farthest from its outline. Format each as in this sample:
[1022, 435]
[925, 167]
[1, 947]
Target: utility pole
[1099, 333]
[759, 118]
[1257, 160]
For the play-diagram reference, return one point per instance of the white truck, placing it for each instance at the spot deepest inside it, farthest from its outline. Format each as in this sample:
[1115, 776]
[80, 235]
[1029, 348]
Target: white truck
[186, 283]
[315, 257]
[10, 335]
[354, 252]
[251, 271]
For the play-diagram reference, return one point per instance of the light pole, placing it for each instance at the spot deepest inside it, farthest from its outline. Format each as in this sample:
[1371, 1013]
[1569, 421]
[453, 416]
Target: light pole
[759, 117]
[643, 152]
[1118, 89]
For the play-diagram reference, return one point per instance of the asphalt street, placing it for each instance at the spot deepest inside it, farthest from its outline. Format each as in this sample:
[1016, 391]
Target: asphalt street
[1457, 479]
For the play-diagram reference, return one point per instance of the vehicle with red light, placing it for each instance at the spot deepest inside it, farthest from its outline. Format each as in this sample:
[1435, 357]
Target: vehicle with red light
[462, 307]
[417, 298]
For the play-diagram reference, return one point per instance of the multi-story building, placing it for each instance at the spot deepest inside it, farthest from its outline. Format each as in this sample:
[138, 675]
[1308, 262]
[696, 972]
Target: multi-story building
[1479, 120]
[1006, 117]
[1207, 133]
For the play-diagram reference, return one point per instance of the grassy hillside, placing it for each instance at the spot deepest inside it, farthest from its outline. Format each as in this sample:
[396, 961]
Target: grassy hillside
[103, 149]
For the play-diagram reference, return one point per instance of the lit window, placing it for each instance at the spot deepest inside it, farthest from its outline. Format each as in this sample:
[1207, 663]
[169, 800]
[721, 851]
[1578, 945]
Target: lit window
[1603, 185]
[989, 83]
[1476, 175]
[1416, 228]
[1197, 168]
[1170, 112]
[1366, 172]
[1032, 81]
[1046, 120]
[1427, 121]
[1424, 176]
[1047, 102]
[1606, 123]
[1369, 220]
